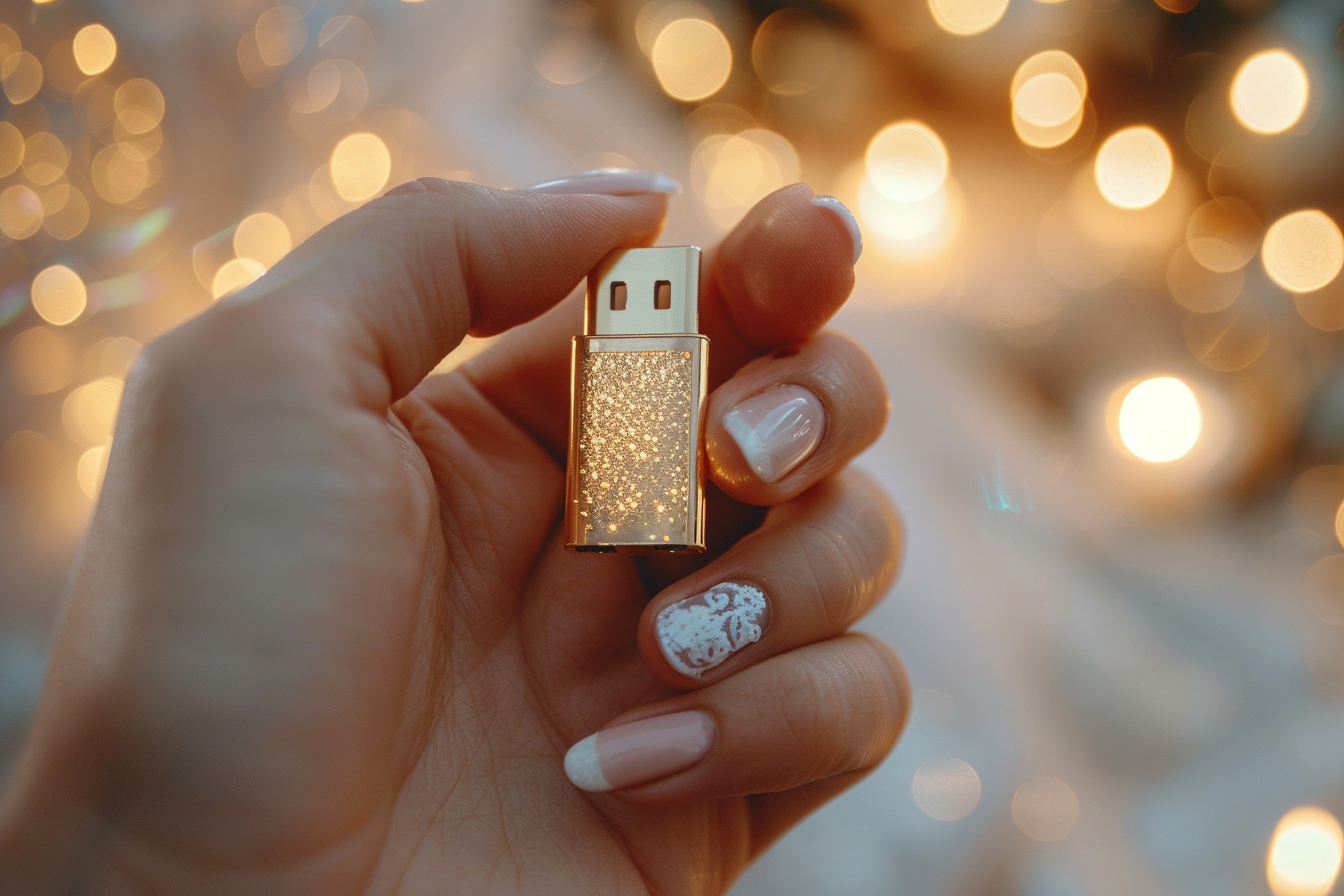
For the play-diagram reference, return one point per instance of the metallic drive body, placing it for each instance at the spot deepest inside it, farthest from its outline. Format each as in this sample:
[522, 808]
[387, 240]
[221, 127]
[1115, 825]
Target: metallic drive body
[636, 474]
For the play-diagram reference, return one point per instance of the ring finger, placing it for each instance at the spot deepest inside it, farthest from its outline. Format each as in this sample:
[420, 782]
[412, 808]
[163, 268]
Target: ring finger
[814, 567]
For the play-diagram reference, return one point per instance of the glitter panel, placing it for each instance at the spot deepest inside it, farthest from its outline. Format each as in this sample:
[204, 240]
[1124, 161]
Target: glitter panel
[635, 447]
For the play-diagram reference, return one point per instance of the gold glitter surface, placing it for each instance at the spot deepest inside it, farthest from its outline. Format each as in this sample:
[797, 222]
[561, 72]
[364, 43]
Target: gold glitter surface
[635, 447]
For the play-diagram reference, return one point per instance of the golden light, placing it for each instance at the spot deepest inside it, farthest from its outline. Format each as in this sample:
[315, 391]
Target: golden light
[20, 212]
[1160, 420]
[1270, 92]
[1223, 234]
[280, 35]
[44, 158]
[1304, 853]
[66, 212]
[21, 77]
[360, 167]
[1048, 93]
[731, 173]
[59, 296]
[903, 228]
[692, 59]
[89, 413]
[571, 57]
[91, 468]
[793, 52]
[1303, 251]
[1045, 809]
[907, 161]
[11, 148]
[120, 173]
[1198, 289]
[95, 49]
[1134, 168]
[263, 237]
[946, 789]
[234, 275]
[42, 360]
[967, 17]
[656, 15]
[139, 105]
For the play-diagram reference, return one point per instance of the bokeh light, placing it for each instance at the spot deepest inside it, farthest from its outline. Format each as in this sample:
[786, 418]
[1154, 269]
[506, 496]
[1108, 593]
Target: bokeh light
[20, 212]
[1303, 251]
[95, 49]
[44, 158]
[656, 15]
[21, 77]
[692, 59]
[1134, 168]
[1270, 92]
[91, 468]
[139, 105]
[280, 35]
[967, 17]
[89, 413]
[234, 274]
[59, 295]
[1223, 234]
[1304, 853]
[732, 172]
[1045, 809]
[946, 789]
[360, 167]
[11, 148]
[907, 161]
[263, 237]
[1160, 420]
[1048, 94]
[793, 52]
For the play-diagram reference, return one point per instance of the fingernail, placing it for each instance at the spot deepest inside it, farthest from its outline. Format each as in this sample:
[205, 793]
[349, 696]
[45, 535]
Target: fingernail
[776, 430]
[841, 211]
[700, 632]
[610, 182]
[640, 752]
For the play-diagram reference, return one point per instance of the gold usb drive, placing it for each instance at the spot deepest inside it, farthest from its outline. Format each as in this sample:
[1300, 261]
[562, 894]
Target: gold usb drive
[635, 481]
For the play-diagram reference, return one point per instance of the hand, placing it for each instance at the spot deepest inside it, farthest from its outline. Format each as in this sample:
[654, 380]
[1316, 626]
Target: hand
[324, 636]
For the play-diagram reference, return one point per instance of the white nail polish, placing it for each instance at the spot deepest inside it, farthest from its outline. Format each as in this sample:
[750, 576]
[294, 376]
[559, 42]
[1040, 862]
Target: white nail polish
[700, 632]
[776, 430]
[609, 182]
[583, 769]
[841, 211]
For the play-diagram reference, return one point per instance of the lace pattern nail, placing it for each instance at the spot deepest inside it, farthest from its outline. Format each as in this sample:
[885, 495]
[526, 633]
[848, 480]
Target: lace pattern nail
[700, 632]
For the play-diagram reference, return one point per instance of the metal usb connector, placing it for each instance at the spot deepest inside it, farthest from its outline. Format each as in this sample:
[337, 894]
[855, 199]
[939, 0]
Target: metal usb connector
[635, 478]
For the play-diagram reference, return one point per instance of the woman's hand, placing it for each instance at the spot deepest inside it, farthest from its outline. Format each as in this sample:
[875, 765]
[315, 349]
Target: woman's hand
[324, 636]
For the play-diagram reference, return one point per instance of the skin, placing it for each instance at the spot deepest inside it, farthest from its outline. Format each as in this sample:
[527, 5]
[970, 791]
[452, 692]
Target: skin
[324, 636]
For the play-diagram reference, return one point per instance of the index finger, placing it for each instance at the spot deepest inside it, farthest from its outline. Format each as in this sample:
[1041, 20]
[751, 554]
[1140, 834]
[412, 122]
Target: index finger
[776, 279]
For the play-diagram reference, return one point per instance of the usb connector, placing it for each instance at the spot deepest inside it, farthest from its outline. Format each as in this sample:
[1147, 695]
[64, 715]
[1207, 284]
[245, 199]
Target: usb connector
[635, 478]
[644, 292]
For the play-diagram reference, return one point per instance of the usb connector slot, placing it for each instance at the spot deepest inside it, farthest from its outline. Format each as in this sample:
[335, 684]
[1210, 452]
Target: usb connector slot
[644, 292]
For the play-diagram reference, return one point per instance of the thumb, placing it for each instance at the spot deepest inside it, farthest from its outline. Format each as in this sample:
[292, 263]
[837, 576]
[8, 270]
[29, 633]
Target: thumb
[386, 291]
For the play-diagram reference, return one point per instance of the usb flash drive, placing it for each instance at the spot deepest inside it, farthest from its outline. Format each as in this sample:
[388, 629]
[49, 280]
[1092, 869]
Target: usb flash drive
[635, 480]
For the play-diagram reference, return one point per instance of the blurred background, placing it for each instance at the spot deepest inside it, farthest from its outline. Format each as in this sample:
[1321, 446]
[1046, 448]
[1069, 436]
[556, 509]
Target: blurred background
[1101, 275]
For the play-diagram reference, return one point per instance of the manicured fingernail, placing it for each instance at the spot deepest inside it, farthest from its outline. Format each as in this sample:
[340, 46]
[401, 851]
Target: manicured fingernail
[610, 182]
[700, 632]
[776, 430]
[411, 186]
[640, 752]
[841, 211]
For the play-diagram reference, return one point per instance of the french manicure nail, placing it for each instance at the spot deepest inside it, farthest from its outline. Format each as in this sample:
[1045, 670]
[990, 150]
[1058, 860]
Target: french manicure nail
[610, 182]
[776, 430]
[841, 211]
[700, 632]
[639, 752]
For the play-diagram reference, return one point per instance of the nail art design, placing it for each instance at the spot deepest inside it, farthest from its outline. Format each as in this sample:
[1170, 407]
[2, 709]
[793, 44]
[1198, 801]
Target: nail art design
[700, 632]
[609, 182]
[776, 430]
[841, 211]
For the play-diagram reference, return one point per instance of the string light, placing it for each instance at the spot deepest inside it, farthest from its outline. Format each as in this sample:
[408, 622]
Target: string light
[692, 59]
[1303, 251]
[1134, 168]
[59, 295]
[1304, 853]
[946, 789]
[95, 49]
[967, 17]
[360, 166]
[1270, 92]
[1160, 420]
[907, 161]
